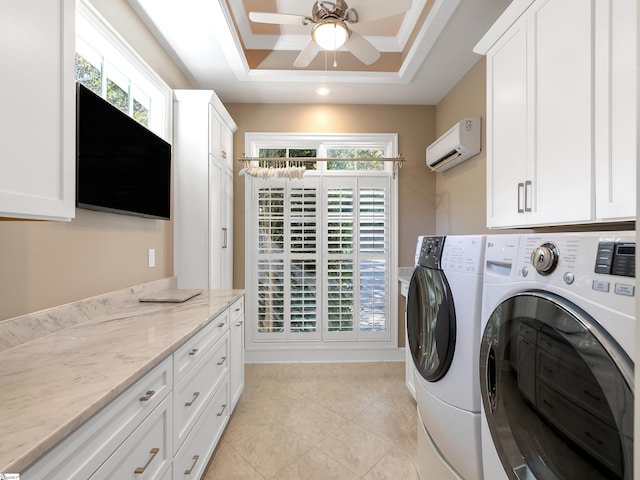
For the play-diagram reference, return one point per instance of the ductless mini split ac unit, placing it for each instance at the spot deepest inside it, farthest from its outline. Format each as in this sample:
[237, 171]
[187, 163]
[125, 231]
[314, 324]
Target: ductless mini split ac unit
[461, 142]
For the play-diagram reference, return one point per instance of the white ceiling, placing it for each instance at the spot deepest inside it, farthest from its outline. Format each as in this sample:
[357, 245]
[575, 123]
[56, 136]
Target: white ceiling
[206, 39]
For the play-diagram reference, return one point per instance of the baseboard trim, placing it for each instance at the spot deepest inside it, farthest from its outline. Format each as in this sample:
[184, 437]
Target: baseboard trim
[324, 356]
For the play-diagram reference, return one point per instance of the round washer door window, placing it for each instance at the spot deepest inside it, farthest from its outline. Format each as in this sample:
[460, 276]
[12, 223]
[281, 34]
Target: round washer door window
[431, 323]
[557, 391]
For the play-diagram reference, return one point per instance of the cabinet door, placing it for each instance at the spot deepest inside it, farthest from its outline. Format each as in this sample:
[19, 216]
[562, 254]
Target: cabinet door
[616, 107]
[217, 212]
[37, 126]
[215, 138]
[561, 111]
[226, 274]
[146, 454]
[507, 127]
[236, 367]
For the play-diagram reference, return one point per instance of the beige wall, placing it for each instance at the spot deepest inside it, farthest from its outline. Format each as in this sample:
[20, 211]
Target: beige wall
[44, 264]
[415, 126]
[461, 191]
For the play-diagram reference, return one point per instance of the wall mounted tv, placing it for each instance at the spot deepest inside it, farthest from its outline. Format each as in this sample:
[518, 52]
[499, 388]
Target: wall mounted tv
[121, 166]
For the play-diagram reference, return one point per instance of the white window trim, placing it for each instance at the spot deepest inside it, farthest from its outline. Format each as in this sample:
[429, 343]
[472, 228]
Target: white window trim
[120, 54]
[292, 351]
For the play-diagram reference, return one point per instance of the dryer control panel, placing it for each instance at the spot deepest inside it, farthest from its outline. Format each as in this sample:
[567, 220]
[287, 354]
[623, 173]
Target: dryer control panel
[430, 251]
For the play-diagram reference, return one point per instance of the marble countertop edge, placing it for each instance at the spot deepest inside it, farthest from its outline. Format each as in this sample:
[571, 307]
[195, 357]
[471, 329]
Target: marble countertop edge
[99, 358]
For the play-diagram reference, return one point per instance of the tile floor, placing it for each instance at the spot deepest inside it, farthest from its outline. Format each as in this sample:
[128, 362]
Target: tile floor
[336, 421]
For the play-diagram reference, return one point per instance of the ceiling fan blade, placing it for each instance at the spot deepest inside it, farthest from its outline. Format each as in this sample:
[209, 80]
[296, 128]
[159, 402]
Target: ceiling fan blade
[370, 10]
[307, 55]
[279, 18]
[362, 49]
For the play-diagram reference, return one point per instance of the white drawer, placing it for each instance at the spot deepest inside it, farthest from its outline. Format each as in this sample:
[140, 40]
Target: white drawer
[236, 311]
[191, 460]
[146, 454]
[80, 454]
[188, 354]
[193, 393]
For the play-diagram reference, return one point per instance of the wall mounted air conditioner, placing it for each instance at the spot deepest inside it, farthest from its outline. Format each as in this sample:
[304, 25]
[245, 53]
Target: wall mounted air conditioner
[461, 142]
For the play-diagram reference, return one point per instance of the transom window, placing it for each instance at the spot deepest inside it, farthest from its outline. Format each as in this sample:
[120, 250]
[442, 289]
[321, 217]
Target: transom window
[320, 250]
[110, 68]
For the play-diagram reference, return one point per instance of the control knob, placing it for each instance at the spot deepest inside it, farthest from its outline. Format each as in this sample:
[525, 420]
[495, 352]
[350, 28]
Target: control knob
[545, 258]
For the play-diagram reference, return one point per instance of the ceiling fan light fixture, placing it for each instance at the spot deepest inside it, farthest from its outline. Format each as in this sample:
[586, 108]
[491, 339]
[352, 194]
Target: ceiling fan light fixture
[330, 35]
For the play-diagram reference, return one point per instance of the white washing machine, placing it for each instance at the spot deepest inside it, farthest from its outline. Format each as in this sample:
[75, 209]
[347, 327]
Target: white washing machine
[556, 356]
[443, 327]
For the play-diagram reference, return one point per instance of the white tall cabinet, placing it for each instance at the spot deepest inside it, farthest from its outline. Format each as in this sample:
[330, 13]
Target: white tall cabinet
[37, 125]
[561, 113]
[203, 190]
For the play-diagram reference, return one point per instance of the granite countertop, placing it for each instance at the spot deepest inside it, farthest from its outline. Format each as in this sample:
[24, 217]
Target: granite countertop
[54, 383]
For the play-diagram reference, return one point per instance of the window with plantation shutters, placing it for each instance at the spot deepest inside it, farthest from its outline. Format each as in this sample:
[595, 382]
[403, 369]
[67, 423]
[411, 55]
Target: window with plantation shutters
[321, 260]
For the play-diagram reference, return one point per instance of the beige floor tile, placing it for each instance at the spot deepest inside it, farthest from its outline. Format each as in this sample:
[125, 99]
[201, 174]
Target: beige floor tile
[356, 448]
[397, 464]
[227, 464]
[272, 449]
[315, 465]
[360, 417]
[314, 422]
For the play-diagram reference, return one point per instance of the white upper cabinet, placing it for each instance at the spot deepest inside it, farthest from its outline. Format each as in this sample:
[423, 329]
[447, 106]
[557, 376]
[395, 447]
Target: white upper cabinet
[615, 109]
[551, 119]
[37, 126]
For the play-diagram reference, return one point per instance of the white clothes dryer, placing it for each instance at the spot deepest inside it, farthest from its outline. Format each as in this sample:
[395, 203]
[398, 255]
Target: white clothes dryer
[556, 356]
[443, 327]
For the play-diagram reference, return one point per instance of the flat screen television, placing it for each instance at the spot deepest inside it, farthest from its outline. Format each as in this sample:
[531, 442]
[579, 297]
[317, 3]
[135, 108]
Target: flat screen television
[121, 166]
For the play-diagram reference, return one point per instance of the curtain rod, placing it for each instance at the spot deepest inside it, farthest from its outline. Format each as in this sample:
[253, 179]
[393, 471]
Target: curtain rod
[397, 162]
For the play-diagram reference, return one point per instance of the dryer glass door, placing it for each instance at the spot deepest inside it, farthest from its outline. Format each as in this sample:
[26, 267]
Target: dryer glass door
[431, 323]
[557, 391]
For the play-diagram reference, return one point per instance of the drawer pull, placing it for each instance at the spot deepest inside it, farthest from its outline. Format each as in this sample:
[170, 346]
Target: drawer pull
[238, 309]
[147, 396]
[219, 414]
[153, 452]
[193, 352]
[239, 324]
[193, 465]
[195, 395]
[221, 324]
[222, 360]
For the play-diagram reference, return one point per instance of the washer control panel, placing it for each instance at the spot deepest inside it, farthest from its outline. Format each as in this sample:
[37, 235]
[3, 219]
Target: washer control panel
[616, 258]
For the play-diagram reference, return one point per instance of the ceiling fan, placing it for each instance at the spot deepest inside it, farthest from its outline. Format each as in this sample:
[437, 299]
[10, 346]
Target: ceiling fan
[329, 29]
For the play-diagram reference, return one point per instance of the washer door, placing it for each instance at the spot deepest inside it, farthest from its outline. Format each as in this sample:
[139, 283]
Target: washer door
[557, 391]
[431, 323]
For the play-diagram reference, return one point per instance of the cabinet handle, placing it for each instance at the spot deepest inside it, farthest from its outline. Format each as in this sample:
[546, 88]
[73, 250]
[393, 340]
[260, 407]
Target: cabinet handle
[222, 360]
[224, 237]
[193, 352]
[193, 465]
[153, 452]
[520, 195]
[239, 323]
[221, 324]
[527, 190]
[224, 154]
[147, 396]
[195, 395]
[219, 414]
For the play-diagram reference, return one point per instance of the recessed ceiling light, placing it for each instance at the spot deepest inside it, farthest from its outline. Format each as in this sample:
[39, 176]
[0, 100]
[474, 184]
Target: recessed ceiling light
[323, 91]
